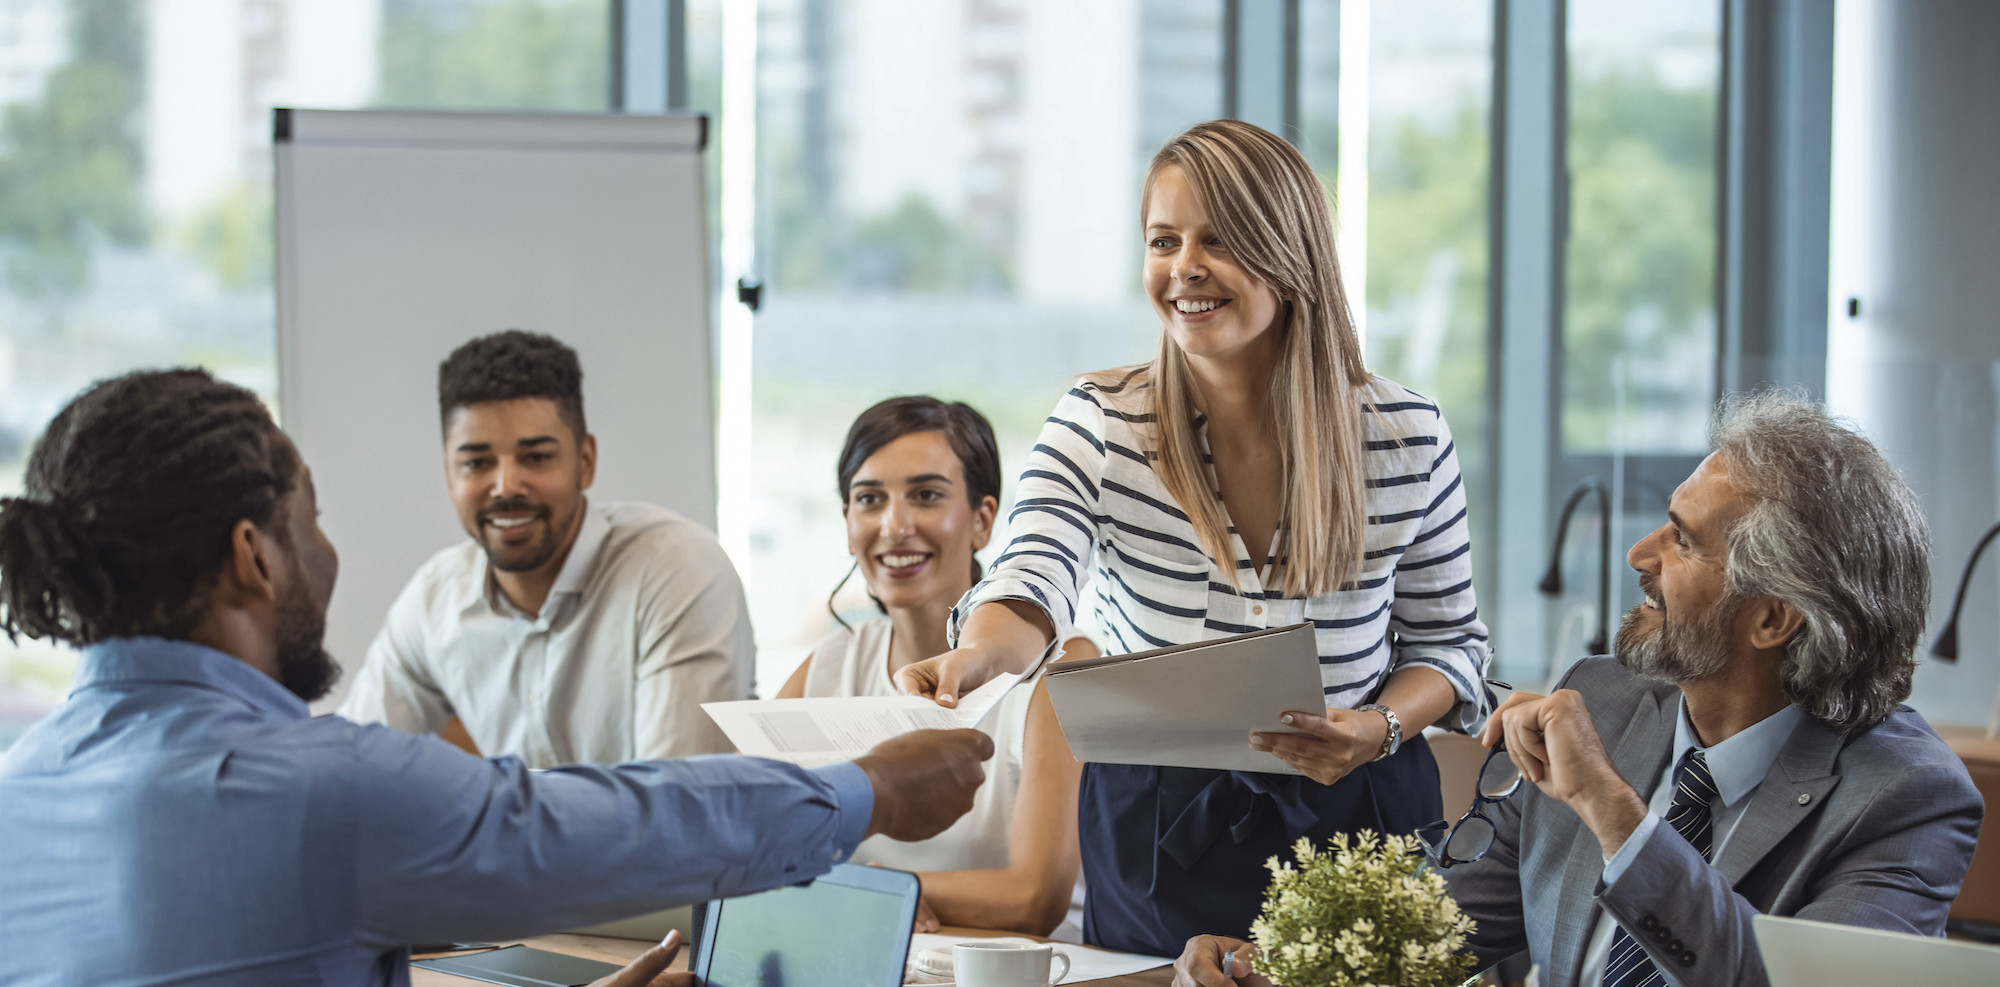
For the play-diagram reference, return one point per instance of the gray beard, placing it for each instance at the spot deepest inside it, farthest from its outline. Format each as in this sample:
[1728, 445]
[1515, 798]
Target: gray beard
[1681, 650]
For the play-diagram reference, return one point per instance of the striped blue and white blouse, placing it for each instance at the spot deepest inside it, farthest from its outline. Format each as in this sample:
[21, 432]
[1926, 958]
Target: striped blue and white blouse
[1089, 498]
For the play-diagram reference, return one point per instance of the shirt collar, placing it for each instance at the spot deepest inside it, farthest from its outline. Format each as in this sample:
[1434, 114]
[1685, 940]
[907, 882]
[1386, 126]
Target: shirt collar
[583, 554]
[158, 660]
[575, 571]
[1740, 763]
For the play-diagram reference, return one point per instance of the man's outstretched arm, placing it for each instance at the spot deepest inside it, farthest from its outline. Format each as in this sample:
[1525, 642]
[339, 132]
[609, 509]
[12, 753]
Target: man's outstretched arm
[453, 847]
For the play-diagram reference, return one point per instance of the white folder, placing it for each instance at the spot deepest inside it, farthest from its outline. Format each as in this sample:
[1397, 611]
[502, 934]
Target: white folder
[1190, 706]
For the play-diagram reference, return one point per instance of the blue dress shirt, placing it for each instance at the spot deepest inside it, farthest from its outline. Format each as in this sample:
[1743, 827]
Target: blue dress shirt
[182, 819]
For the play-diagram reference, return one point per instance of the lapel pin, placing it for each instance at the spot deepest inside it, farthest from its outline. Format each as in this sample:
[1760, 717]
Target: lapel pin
[1804, 798]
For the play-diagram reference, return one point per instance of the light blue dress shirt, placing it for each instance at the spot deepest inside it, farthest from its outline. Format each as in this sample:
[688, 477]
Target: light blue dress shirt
[182, 819]
[1737, 765]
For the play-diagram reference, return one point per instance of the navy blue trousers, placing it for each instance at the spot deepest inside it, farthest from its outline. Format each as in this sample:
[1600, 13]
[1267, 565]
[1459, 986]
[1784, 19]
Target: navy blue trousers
[1172, 853]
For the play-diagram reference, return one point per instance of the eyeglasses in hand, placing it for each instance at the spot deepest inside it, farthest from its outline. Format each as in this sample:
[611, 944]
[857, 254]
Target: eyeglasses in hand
[1472, 836]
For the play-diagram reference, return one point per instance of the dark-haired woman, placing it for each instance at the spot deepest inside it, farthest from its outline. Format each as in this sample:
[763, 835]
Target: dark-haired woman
[1253, 475]
[921, 482]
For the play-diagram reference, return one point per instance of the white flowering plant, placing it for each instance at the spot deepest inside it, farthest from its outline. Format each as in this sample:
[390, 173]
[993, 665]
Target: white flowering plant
[1365, 913]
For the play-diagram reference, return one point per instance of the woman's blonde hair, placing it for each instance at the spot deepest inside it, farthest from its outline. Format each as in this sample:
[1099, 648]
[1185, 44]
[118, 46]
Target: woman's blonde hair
[1270, 210]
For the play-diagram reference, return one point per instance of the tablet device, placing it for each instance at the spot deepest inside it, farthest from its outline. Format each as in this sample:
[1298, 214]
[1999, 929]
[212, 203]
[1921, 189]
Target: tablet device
[850, 928]
[520, 966]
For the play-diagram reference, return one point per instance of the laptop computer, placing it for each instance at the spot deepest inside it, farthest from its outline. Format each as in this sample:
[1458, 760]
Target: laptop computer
[850, 928]
[652, 926]
[1802, 953]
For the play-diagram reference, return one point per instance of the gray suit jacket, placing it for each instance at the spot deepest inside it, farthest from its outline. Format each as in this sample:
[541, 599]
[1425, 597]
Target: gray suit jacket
[1874, 828]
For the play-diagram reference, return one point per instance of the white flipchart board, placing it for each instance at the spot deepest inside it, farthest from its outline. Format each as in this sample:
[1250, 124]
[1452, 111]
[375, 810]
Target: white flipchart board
[400, 235]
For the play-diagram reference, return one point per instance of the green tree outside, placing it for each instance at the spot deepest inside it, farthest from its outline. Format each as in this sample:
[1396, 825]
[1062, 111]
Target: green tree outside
[70, 162]
[1427, 214]
[1641, 260]
[496, 54]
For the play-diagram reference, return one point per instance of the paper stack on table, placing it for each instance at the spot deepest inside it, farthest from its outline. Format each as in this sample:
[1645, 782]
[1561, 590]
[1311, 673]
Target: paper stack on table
[811, 732]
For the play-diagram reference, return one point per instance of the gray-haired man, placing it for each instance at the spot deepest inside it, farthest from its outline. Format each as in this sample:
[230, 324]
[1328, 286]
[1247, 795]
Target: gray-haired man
[1747, 750]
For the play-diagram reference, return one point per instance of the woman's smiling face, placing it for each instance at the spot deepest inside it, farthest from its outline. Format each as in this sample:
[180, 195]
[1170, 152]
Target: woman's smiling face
[1211, 304]
[911, 525]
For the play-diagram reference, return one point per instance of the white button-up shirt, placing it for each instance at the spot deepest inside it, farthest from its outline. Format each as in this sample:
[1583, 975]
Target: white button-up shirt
[646, 622]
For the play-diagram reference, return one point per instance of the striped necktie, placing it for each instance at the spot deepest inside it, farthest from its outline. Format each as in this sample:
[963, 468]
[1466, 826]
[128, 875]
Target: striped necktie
[1694, 789]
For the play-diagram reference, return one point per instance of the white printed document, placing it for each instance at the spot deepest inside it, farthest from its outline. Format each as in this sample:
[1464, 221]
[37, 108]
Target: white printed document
[812, 732]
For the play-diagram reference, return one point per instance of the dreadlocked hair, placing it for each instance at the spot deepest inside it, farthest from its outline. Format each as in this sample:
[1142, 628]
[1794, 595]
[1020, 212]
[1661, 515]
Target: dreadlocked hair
[131, 497]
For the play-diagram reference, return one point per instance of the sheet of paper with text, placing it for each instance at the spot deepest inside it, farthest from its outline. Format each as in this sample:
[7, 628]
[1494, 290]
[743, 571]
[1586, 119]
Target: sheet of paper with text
[826, 731]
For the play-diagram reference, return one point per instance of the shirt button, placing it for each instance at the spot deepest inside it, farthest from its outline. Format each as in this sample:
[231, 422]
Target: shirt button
[1258, 609]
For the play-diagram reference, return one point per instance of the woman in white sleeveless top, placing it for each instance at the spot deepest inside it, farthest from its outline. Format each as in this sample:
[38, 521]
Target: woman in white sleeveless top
[921, 482]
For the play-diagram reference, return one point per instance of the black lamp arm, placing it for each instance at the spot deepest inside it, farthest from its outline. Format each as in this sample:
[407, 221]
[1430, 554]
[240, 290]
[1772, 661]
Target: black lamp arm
[1946, 646]
[1552, 582]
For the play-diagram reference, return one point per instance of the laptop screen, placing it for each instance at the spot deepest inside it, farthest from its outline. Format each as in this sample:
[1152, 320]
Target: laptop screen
[824, 935]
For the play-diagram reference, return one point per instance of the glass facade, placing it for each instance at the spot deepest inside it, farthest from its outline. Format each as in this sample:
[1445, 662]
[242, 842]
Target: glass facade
[947, 199]
[1639, 327]
[1429, 78]
[135, 181]
[946, 202]
[1639, 323]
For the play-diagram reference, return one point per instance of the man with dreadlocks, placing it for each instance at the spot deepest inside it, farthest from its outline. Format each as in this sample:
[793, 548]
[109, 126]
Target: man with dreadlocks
[180, 818]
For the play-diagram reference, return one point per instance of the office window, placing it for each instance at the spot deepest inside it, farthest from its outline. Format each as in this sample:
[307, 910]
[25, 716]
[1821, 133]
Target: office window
[1427, 79]
[135, 184]
[947, 204]
[1639, 323]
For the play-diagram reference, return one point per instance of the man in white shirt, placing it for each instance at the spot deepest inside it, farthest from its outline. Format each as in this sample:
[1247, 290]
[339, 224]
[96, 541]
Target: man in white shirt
[564, 631]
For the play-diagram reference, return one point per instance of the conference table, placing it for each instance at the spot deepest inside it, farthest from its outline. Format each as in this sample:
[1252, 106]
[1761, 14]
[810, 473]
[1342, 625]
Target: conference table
[622, 951]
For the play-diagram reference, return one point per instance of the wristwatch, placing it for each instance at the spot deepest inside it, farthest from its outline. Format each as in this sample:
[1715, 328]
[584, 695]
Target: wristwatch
[1394, 741]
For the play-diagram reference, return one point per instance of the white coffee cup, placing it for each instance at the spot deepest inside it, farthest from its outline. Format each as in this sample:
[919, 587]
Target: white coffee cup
[1005, 964]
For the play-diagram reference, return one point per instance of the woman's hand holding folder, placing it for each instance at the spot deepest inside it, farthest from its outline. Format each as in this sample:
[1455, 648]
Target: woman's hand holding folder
[1345, 739]
[1341, 741]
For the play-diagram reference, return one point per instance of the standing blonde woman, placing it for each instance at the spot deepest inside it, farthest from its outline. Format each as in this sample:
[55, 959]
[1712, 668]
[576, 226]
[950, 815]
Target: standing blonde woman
[1253, 475]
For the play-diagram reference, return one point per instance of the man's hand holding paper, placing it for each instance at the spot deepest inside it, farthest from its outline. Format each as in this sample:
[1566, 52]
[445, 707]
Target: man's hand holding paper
[924, 781]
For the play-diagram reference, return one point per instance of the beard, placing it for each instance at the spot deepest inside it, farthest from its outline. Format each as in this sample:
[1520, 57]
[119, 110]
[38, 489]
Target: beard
[533, 555]
[1678, 650]
[304, 667]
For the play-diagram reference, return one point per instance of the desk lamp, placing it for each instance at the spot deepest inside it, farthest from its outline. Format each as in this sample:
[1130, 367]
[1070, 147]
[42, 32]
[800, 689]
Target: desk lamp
[1945, 648]
[1552, 581]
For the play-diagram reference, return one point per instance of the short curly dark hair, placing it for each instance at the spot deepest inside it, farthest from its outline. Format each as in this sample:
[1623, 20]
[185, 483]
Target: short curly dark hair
[510, 365]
